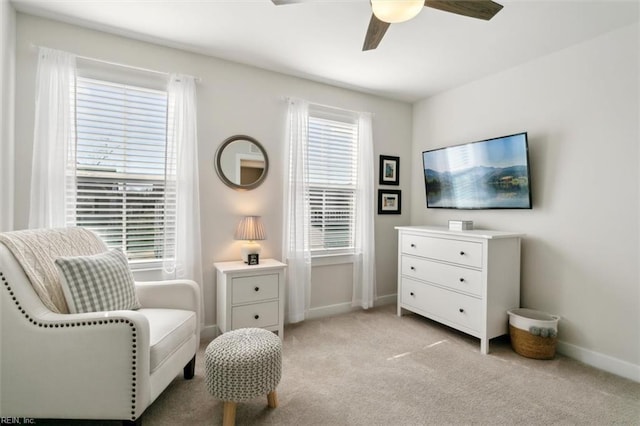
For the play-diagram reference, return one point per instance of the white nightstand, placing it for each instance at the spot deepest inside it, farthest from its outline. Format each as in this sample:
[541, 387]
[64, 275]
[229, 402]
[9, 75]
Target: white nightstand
[250, 295]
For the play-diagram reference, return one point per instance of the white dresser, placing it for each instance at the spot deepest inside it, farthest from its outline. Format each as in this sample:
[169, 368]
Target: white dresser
[464, 279]
[250, 295]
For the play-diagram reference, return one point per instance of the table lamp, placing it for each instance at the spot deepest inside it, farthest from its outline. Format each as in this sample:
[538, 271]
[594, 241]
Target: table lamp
[251, 230]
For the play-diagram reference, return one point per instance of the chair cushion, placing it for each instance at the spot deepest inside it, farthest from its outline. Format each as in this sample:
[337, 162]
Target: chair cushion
[168, 329]
[102, 282]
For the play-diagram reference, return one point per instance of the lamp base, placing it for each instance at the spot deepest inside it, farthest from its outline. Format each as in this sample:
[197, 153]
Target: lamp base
[249, 248]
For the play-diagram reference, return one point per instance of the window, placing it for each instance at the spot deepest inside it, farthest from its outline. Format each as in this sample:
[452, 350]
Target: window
[120, 167]
[329, 202]
[332, 160]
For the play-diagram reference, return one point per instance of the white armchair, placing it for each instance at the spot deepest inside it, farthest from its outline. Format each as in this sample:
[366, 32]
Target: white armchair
[98, 365]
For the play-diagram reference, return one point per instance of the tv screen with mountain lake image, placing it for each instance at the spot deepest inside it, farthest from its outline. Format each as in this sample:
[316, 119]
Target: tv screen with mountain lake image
[489, 174]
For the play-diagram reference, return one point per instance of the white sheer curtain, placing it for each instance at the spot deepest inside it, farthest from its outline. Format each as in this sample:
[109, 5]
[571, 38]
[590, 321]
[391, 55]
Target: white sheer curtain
[52, 132]
[296, 212]
[183, 253]
[364, 285]
[7, 121]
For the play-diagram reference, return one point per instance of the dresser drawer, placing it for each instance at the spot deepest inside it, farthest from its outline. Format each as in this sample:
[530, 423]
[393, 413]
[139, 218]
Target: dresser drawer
[454, 277]
[256, 315]
[254, 288]
[443, 304]
[449, 250]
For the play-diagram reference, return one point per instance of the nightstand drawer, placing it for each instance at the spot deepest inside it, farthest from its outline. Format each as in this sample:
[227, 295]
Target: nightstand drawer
[256, 315]
[254, 288]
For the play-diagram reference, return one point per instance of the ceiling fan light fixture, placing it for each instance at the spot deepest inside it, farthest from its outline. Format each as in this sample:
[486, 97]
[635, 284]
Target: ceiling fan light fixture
[395, 11]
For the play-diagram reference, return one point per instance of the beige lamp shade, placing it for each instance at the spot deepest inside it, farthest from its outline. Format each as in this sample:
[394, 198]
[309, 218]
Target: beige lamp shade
[251, 230]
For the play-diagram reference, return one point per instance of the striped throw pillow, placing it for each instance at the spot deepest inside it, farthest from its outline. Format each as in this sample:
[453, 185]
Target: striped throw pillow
[102, 282]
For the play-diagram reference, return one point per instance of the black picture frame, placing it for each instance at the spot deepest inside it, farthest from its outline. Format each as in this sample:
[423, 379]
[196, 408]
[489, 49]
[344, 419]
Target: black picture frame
[389, 170]
[253, 259]
[389, 201]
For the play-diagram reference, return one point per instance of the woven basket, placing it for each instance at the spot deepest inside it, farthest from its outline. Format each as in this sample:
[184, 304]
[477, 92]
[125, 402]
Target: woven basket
[533, 333]
[530, 346]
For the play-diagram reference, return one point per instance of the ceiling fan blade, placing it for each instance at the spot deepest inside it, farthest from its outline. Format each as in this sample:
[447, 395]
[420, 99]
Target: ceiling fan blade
[281, 2]
[481, 9]
[375, 32]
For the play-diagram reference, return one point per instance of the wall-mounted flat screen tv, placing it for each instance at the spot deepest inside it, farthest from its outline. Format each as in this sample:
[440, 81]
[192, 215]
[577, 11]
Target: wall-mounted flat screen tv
[488, 174]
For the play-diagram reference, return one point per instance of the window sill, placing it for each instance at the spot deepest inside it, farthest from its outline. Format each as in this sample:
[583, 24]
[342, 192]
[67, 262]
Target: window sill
[332, 259]
[145, 265]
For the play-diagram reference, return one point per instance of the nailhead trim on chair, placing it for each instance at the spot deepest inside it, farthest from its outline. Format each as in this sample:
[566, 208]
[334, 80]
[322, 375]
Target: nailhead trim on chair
[45, 324]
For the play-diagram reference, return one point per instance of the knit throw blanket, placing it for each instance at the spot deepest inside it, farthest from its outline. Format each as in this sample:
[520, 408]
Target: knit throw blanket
[37, 249]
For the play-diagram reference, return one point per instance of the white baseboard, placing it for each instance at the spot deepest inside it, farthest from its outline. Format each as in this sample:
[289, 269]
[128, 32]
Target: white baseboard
[603, 362]
[330, 310]
[343, 308]
[389, 299]
[209, 332]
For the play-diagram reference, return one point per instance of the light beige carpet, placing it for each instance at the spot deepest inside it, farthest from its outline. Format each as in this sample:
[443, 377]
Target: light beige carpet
[375, 368]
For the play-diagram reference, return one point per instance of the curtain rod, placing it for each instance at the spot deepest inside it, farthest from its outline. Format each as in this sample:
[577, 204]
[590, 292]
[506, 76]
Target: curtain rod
[293, 98]
[117, 64]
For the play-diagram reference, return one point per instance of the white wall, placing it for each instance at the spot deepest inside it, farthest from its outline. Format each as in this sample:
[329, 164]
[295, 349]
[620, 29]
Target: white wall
[7, 84]
[232, 99]
[580, 256]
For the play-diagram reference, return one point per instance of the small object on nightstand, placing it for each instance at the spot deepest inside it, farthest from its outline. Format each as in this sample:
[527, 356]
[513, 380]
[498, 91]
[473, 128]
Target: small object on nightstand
[253, 259]
[460, 225]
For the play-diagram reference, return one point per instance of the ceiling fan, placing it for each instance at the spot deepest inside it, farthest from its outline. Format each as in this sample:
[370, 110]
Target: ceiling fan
[387, 12]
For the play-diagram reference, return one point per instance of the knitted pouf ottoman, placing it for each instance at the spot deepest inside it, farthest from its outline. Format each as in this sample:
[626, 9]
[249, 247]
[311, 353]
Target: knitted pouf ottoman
[241, 365]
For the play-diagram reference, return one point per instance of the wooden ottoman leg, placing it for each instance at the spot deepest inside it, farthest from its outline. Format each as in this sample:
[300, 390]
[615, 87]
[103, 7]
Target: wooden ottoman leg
[272, 399]
[229, 413]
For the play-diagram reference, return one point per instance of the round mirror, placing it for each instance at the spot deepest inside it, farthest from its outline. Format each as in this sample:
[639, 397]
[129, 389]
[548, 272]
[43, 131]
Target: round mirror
[241, 162]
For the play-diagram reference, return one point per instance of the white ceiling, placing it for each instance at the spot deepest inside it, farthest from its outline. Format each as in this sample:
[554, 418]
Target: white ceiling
[322, 39]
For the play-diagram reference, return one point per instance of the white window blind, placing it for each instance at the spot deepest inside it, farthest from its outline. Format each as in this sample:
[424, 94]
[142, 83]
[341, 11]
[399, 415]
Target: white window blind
[332, 163]
[120, 166]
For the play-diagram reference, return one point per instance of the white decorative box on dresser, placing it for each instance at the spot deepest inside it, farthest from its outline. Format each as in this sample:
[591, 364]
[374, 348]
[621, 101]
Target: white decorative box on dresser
[467, 280]
[250, 295]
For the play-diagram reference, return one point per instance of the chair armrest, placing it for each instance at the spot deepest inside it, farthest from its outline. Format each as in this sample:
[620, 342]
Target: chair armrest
[171, 294]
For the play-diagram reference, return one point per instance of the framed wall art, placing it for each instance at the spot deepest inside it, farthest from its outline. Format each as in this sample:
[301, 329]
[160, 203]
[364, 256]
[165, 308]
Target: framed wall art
[389, 170]
[389, 201]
